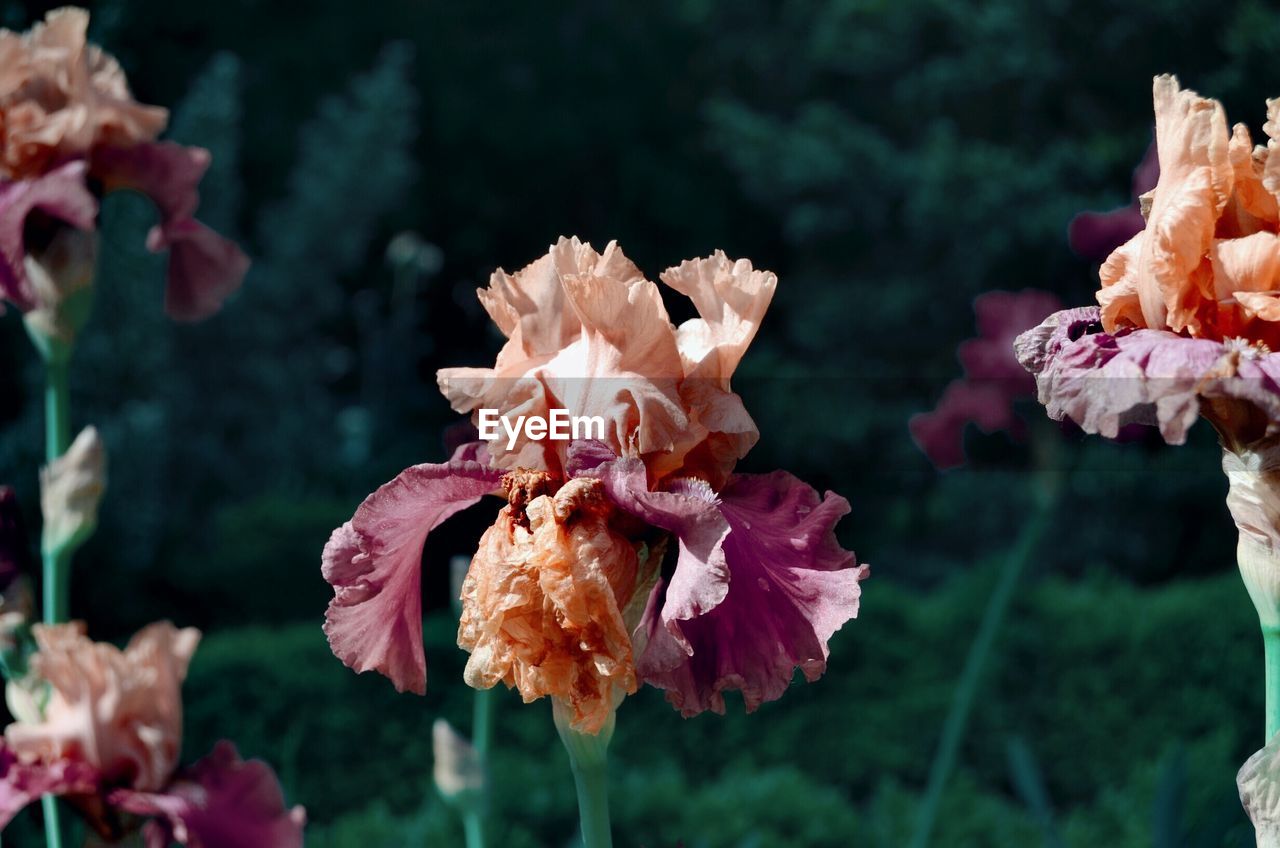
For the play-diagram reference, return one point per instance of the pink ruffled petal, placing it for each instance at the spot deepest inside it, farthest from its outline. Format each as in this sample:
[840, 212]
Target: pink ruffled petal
[791, 587]
[1105, 381]
[1002, 316]
[759, 587]
[691, 513]
[940, 432]
[220, 802]
[204, 267]
[60, 194]
[23, 783]
[374, 563]
[993, 381]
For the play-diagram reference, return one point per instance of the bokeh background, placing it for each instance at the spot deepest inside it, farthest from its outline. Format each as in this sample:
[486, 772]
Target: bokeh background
[890, 161]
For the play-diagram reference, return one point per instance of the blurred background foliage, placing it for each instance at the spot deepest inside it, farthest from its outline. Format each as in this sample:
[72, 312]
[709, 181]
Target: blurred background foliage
[890, 160]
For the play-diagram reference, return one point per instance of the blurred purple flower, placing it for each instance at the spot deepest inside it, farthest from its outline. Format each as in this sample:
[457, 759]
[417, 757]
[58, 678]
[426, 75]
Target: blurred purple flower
[993, 378]
[1094, 235]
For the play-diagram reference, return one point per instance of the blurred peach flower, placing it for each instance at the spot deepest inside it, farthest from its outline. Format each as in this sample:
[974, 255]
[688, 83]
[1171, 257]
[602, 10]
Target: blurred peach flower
[119, 712]
[61, 96]
[69, 130]
[103, 727]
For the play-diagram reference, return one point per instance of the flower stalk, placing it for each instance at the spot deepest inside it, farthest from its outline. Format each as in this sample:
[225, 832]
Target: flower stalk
[993, 617]
[589, 761]
[56, 562]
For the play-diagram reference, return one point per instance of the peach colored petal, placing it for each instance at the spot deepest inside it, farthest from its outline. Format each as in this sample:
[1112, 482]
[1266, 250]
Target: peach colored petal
[1262, 305]
[731, 299]
[542, 603]
[1248, 264]
[1252, 206]
[119, 712]
[1118, 296]
[63, 96]
[1271, 162]
[588, 334]
[1195, 184]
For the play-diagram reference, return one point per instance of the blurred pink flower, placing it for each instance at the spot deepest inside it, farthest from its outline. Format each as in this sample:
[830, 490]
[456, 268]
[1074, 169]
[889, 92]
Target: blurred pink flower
[68, 122]
[993, 380]
[760, 582]
[1094, 235]
[107, 733]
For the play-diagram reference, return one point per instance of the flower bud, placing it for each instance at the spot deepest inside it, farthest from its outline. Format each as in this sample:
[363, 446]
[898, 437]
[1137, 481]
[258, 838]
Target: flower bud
[458, 769]
[71, 488]
[61, 273]
[1254, 501]
[1259, 783]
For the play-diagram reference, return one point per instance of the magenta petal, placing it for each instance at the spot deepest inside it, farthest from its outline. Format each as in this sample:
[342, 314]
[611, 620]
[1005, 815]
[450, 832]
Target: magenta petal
[791, 587]
[60, 194]
[691, 512]
[1094, 235]
[204, 268]
[374, 563]
[220, 802]
[1002, 315]
[21, 784]
[940, 432]
[1105, 381]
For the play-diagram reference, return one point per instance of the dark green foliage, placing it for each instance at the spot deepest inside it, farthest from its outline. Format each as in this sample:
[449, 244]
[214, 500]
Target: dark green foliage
[889, 161]
[837, 762]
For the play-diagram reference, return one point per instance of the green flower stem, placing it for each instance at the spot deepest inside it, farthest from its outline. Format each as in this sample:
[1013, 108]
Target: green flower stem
[57, 563]
[475, 814]
[1271, 654]
[588, 759]
[953, 730]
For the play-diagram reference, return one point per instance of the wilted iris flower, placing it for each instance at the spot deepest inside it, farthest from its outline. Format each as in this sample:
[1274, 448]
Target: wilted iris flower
[1189, 305]
[69, 131]
[570, 593]
[102, 727]
[993, 380]
[1189, 316]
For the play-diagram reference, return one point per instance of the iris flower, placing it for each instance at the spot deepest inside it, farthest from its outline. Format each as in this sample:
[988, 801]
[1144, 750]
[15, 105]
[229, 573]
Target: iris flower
[1187, 322]
[70, 131]
[639, 557]
[102, 727]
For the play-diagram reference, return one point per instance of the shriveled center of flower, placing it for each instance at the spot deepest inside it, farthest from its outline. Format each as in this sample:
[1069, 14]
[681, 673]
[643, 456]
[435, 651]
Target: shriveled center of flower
[542, 602]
